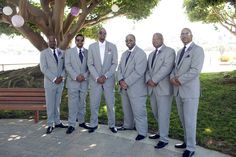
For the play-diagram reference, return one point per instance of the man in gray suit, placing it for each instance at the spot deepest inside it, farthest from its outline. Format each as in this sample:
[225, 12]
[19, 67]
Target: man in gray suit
[160, 64]
[52, 66]
[102, 63]
[131, 77]
[185, 79]
[77, 83]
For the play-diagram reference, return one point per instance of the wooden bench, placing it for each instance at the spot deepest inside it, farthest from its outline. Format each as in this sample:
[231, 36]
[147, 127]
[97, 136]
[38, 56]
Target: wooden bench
[23, 99]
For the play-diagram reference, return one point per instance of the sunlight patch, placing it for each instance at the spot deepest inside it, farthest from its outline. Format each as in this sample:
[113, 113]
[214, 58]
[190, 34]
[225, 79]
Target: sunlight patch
[208, 130]
[14, 137]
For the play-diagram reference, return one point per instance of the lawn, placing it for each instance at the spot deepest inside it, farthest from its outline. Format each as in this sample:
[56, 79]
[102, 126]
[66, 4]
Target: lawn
[216, 127]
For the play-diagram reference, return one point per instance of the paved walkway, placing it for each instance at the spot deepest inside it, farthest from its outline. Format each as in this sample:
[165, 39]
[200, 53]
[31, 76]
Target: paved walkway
[23, 138]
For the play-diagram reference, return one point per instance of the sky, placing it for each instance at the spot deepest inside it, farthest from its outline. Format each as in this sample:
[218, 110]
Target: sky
[167, 18]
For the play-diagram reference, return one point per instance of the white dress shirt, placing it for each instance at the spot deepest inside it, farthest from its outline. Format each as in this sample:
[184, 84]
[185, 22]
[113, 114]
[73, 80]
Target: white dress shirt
[82, 50]
[187, 46]
[57, 57]
[55, 51]
[102, 47]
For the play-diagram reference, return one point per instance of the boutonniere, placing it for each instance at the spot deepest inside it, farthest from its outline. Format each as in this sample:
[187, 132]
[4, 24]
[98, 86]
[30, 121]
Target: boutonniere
[109, 50]
[59, 52]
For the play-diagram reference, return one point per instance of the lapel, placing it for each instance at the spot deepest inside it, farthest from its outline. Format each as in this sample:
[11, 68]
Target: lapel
[60, 55]
[50, 52]
[157, 55]
[85, 55]
[97, 53]
[107, 50]
[123, 57]
[76, 55]
[130, 57]
[185, 54]
[150, 61]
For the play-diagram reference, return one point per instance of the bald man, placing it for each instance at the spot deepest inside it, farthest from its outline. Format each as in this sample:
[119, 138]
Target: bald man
[131, 77]
[185, 79]
[160, 64]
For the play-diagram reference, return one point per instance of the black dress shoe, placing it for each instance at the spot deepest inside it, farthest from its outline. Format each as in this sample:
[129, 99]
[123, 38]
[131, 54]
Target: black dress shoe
[113, 129]
[121, 128]
[70, 130]
[188, 153]
[92, 129]
[83, 125]
[180, 145]
[61, 125]
[154, 136]
[49, 130]
[139, 137]
[160, 145]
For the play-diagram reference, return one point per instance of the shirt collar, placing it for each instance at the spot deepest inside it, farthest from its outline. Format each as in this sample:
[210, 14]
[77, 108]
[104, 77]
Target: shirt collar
[187, 46]
[132, 49]
[102, 44]
[82, 49]
[159, 48]
[53, 50]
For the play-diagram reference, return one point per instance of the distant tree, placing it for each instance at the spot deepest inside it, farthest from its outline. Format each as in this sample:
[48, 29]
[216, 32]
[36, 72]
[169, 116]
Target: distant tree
[53, 17]
[213, 11]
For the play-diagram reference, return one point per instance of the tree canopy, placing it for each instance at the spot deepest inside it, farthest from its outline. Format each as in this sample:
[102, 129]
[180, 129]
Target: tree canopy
[55, 17]
[213, 11]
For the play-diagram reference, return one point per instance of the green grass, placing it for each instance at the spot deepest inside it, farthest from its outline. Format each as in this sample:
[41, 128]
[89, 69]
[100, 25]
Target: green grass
[216, 126]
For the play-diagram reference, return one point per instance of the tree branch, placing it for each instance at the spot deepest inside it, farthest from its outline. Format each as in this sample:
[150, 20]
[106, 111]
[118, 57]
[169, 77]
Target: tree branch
[97, 20]
[45, 7]
[84, 14]
[35, 38]
[69, 20]
[229, 29]
[15, 2]
[86, 9]
[57, 17]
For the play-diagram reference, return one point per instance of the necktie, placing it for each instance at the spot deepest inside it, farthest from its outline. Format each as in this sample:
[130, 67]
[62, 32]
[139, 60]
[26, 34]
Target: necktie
[181, 54]
[81, 55]
[55, 55]
[127, 58]
[154, 56]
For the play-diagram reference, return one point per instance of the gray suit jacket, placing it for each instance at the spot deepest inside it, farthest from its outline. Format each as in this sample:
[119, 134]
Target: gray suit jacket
[50, 68]
[134, 72]
[160, 72]
[74, 67]
[108, 67]
[188, 71]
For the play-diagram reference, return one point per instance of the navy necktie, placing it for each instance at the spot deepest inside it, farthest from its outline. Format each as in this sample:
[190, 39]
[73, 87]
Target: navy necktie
[154, 56]
[81, 55]
[127, 58]
[55, 55]
[181, 54]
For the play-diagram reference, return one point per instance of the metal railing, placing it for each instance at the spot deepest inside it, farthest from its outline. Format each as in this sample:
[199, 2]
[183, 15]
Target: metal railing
[16, 66]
